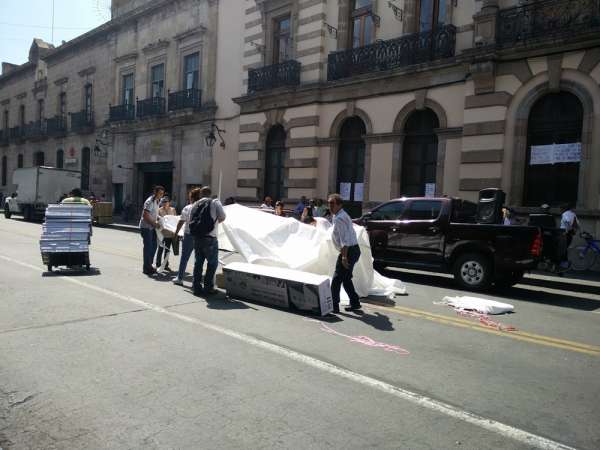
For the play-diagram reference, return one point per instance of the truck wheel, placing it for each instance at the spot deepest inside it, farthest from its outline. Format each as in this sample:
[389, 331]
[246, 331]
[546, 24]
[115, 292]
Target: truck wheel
[508, 279]
[473, 271]
[7, 213]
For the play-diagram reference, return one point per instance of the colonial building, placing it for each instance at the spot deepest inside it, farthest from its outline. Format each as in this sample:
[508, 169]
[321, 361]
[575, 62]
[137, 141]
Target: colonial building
[379, 99]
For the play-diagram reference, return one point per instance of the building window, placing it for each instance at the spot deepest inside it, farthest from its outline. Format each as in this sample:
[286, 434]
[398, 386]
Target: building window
[127, 89]
[556, 118]
[41, 112]
[22, 115]
[20, 161]
[60, 158]
[191, 71]
[158, 80]
[431, 14]
[275, 163]
[38, 159]
[363, 27]
[62, 105]
[87, 99]
[85, 169]
[282, 40]
[419, 154]
[4, 170]
[5, 120]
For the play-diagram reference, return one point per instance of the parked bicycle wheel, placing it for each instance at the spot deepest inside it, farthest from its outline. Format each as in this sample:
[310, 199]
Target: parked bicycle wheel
[582, 257]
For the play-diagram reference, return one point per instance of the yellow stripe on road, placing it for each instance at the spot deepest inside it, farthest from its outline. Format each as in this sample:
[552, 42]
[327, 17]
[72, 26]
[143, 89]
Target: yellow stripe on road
[518, 335]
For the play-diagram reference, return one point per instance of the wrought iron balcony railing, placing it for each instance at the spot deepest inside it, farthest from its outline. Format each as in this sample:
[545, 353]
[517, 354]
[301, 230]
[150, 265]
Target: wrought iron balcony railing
[547, 19]
[274, 76]
[82, 121]
[189, 98]
[394, 53]
[36, 130]
[120, 113]
[16, 134]
[150, 107]
[56, 126]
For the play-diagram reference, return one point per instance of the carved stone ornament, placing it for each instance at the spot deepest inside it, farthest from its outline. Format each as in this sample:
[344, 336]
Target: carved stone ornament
[155, 46]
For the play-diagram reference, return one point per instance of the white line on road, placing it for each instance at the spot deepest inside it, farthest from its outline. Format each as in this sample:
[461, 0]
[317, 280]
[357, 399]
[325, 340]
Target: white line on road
[418, 399]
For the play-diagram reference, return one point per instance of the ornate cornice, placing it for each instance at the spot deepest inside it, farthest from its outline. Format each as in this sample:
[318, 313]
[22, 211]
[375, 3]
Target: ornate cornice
[192, 32]
[61, 81]
[156, 46]
[87, 71]
[126, 57]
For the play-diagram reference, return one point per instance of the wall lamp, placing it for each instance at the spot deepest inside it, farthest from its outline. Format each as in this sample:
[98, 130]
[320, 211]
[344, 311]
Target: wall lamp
[398, 12]
[211, 139]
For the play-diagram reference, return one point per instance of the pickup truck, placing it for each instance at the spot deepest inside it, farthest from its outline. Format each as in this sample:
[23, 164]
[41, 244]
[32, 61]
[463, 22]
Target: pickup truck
[441, 235]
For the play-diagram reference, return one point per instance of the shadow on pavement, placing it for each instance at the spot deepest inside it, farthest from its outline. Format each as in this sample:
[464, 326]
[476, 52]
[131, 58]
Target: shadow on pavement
[519, 292]
[563, 285]
[222, 302]
[378, 321]
[73, 273]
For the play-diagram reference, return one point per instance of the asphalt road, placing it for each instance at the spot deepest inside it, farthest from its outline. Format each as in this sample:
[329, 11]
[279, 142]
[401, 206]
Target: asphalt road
[116, 360]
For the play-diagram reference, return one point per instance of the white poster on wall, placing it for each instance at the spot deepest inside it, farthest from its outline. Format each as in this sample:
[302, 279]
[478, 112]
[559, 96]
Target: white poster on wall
[359, 192]
[345, 189]
[430, 190]
[555, 153]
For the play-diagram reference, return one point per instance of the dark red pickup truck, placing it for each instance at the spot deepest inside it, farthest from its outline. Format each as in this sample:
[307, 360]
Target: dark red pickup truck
[441, 234]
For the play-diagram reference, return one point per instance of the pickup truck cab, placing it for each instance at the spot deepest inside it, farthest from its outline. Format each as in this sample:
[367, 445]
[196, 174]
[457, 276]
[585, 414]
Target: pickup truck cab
[441, 235]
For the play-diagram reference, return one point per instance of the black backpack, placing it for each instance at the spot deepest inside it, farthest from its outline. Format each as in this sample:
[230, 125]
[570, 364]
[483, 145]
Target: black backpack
[201, 223]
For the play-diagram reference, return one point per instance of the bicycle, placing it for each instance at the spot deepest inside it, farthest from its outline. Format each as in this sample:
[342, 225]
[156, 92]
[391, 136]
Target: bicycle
[583, 257]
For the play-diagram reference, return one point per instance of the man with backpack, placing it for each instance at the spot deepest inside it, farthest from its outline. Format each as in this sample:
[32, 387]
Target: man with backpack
[206, 215]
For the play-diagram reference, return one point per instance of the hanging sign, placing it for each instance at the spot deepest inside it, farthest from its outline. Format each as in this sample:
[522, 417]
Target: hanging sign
[555, 153]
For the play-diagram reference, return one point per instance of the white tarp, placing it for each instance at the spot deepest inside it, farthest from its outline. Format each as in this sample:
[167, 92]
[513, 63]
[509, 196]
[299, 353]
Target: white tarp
[269, 240]
[555, 153]
[480, 305]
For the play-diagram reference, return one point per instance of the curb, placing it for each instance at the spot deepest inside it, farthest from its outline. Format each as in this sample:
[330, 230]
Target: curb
[119, 227]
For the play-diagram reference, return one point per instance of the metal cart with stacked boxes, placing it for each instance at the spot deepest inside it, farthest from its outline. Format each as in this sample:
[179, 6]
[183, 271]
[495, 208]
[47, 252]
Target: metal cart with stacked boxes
[66, 236]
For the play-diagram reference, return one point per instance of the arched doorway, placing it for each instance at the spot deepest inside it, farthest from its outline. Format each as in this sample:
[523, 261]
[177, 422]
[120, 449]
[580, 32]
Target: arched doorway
[351, 165]
[38, 159]
[60, 159]
[419, 154]
[85, 169]
[275, 163]
[552, 167]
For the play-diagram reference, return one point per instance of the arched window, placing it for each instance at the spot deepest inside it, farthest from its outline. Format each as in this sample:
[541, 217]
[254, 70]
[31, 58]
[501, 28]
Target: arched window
[419, 154]
[4, 170]
[275, 163]
[39, 159]
[85, 169]
[351, 165]
[60, 158]
[20, 161]
[552, 167]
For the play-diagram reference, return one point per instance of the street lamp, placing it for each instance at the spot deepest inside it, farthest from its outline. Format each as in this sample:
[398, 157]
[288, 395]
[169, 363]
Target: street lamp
[211, 139]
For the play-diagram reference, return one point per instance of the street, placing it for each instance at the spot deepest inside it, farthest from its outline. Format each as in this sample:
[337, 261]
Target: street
[113, 359]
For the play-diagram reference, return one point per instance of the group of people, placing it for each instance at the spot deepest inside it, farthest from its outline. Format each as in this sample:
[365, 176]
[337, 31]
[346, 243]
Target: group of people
[305, 211]
[200, 220]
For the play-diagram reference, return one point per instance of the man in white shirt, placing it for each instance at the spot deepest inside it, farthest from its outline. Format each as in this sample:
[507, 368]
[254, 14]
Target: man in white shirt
[345, 240]
[206, 245]
[569, 223]
[148, 224]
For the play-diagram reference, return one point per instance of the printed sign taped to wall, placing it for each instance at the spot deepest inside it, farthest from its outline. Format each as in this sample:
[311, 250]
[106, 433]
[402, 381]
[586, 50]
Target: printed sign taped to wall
[430, 190]
[555, 153]
[359, 192]
[345, 189]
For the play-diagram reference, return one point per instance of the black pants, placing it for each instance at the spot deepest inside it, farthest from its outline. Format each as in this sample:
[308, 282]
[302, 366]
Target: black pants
[343, 276]
[167, 242]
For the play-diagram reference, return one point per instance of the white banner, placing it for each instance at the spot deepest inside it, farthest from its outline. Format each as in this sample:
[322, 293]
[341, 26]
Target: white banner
[555, 153]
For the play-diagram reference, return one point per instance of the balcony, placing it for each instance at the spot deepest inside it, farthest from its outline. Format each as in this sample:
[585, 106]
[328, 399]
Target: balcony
[17, 134]
[150, 107]
[189, 98]
[404, 51]
[36, 131]
[547, 19]
[274, 76]
[82, 122]
[120, 113]
[56, 126]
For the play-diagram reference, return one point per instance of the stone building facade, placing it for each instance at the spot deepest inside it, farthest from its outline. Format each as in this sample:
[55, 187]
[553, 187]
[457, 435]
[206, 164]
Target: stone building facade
[382, 99]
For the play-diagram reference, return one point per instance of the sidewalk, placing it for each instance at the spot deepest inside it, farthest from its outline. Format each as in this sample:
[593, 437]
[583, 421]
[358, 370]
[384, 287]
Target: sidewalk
[120, 224]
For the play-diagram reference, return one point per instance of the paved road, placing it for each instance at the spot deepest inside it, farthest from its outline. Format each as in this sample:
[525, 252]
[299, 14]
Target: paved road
[116, 360]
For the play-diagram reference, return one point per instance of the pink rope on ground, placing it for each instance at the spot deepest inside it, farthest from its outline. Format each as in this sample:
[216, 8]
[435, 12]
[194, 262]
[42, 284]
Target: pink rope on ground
[364, 340]
[485, 320]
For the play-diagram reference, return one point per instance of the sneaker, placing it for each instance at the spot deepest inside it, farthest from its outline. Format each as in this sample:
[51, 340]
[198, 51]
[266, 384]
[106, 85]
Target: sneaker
[353, 307]
[178, 281]
[210, 291]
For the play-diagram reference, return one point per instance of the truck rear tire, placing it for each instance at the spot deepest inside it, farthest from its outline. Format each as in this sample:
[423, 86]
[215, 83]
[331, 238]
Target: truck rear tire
[508, 279]
[473, 271]
[7, 213]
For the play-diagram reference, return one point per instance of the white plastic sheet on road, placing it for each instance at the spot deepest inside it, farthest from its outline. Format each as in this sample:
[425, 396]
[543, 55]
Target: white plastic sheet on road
[269, 240]
[480, 305]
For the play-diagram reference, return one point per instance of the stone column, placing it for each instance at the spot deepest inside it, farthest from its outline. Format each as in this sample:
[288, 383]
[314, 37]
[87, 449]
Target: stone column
[176, 149]
[485, 24]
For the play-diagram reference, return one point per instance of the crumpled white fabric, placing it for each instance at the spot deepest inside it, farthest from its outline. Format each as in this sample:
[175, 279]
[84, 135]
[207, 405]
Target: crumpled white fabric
[270, 240]
[480, 305]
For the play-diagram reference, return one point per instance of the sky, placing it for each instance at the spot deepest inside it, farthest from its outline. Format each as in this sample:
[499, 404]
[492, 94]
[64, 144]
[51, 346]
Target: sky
[23, 20]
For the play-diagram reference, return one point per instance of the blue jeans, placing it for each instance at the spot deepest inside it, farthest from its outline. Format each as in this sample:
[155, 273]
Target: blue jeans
[186, 251]
[150, 244]
[206, 248]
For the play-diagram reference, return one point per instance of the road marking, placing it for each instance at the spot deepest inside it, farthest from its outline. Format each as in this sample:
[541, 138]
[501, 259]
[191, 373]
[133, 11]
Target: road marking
[518, 335]
[431, 404]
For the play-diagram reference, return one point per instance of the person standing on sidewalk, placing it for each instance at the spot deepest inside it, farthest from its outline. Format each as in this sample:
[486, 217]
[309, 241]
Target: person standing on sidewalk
[345, 240]
[188, 241]
[206, 215]
[148, 225]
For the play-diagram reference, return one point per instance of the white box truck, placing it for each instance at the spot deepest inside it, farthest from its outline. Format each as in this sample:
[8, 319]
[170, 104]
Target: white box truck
[38, 187]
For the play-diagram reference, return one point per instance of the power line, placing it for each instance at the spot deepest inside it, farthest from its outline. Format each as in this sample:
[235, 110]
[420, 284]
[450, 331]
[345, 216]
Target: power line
[23, 25]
